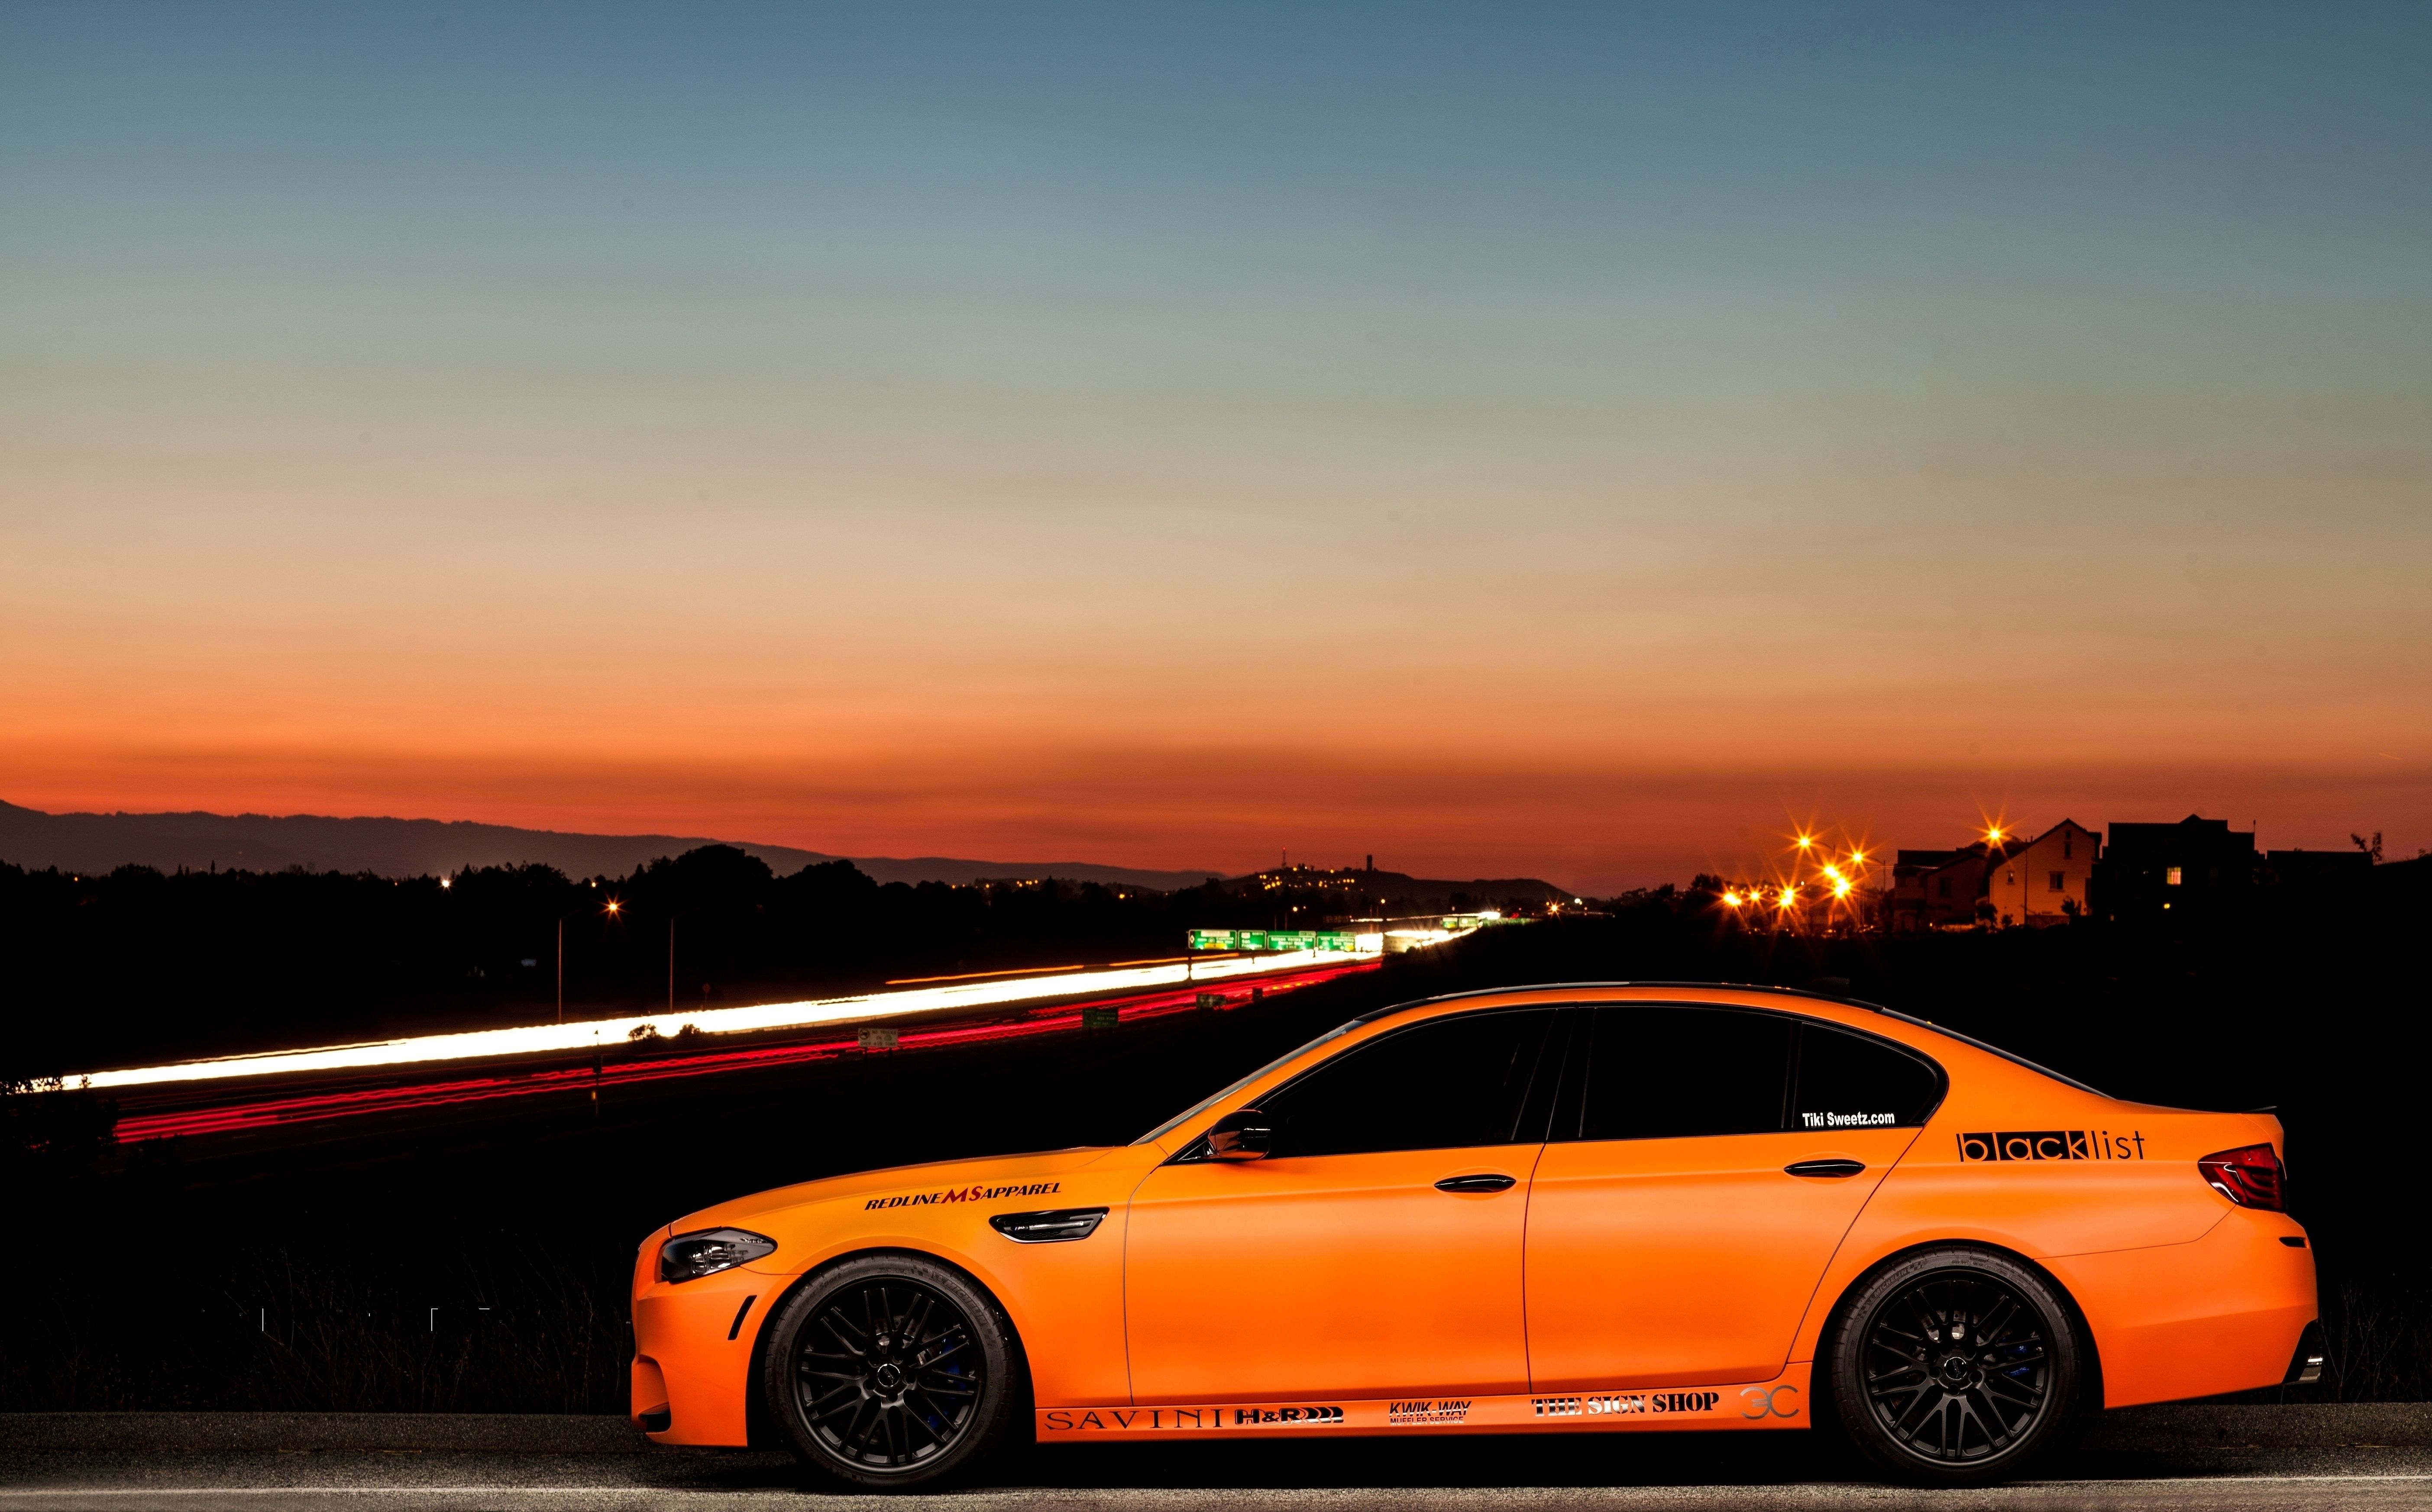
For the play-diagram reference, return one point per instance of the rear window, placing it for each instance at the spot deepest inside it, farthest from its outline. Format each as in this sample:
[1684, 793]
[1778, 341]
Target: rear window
[1669, 1072]
[1847, 1080]
[1676, 1071]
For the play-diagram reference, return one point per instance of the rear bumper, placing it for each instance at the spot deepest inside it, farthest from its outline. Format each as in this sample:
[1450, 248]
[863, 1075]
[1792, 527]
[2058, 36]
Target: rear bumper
[2222, 1313]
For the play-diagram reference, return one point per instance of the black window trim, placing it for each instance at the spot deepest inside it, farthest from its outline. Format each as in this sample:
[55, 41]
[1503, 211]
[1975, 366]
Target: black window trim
[1859, 1003]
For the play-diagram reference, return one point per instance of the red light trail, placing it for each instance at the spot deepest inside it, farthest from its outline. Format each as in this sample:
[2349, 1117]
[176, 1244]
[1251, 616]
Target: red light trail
[304, 1107]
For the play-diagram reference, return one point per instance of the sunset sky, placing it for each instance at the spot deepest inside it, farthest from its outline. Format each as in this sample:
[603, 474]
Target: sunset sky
[1506, 440]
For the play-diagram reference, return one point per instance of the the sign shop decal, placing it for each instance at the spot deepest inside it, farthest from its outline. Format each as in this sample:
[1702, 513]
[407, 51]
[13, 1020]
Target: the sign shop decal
[1625, 1402]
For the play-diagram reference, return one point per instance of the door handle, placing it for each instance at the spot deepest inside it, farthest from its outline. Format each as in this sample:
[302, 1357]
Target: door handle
[1824, 1167]
[1476, 1183]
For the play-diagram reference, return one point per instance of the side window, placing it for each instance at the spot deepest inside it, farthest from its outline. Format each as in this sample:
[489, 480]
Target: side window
[1443, 1085]
[1667, 1072]
[1851, 1082]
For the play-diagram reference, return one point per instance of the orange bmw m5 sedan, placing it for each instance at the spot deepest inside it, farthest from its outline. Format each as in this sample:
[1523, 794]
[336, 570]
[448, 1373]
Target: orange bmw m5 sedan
[1563, 1209]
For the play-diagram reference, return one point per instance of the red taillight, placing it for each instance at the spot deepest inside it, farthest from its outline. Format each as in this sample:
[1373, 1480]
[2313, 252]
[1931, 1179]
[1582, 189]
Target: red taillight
[2250, 1177]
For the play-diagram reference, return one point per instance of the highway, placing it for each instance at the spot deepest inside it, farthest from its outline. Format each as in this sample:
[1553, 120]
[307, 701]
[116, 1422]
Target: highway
[2318, 1457]
[277, 1098]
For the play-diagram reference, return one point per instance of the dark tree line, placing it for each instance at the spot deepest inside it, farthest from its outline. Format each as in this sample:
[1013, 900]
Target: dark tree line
[137, 966]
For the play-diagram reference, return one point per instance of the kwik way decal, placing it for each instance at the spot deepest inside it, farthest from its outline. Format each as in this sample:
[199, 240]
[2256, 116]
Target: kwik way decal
[1402, 1414]
[964, 1194]
[2053, 1144]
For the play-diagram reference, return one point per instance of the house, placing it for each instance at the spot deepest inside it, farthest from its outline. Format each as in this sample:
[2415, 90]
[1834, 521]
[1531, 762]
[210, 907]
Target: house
[2169, 871]
[2044, 882]
[1912, 894]
[1945, 886]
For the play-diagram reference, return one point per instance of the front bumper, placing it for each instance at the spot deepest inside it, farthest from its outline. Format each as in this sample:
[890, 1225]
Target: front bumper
[692, 1356]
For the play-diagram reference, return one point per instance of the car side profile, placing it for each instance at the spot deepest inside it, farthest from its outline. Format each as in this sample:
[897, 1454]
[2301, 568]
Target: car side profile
[1560, 1209]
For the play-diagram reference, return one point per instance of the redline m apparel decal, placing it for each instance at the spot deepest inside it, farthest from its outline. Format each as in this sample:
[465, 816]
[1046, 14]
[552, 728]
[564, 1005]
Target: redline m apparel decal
[2051, 1143]
[964, 1194]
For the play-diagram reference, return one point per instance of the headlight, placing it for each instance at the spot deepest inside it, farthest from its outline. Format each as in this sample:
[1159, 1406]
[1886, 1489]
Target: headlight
[691, 1256]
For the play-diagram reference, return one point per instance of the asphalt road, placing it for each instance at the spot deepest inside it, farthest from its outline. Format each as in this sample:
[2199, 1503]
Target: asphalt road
[2317, 1457]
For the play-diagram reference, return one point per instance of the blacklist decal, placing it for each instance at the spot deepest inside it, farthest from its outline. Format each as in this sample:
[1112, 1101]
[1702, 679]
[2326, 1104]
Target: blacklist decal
[2053, 1144]
[1117, 1419]
[964, 1194]
[1849, 1121]
[1399, 1412]
[1635, 1402]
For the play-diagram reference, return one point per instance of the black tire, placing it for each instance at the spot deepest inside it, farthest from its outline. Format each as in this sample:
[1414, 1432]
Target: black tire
[894, 1372]
[1927, 1399]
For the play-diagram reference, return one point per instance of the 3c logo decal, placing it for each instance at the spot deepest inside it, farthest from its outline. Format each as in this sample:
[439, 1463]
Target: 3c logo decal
[1779, 1402]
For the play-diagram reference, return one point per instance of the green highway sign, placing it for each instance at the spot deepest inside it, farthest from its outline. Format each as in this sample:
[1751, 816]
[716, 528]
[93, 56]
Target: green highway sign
[1271, 940]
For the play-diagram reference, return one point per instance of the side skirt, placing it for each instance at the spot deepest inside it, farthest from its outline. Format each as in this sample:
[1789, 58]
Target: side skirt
[1781, 1403]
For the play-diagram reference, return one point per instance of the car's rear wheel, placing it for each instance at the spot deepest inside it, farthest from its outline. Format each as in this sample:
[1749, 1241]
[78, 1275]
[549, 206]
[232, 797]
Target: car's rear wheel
[894, 1373]
[1953, 1367]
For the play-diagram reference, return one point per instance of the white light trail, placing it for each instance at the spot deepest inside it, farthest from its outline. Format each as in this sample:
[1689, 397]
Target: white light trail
[488, 1044]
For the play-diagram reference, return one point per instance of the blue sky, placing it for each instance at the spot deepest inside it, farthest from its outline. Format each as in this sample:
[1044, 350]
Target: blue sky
[1586, 397]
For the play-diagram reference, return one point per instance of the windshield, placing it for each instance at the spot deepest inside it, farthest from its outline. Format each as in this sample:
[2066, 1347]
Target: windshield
[1213, 1098]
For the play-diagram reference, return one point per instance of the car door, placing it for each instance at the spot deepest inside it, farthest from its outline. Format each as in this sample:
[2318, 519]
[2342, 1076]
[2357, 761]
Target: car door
[1703, 1167]
[1376, 1252]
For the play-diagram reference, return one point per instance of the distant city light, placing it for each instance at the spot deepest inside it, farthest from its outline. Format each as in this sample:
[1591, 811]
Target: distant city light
[445, 882]
[1732, 897]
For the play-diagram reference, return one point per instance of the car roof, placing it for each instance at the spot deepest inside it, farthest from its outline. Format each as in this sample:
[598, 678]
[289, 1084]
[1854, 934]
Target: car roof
[1738, 994]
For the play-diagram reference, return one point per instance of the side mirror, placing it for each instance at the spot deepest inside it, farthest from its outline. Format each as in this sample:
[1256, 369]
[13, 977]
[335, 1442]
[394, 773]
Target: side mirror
[1244, 1134]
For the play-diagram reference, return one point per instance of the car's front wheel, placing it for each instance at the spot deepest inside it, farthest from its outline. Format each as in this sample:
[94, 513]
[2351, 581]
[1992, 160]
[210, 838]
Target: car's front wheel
[894, 1373]
[1953, 1367]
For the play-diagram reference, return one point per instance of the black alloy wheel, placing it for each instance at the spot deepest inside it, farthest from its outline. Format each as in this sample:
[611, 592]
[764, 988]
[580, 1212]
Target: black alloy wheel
[1953, 1367]
[891, 1371]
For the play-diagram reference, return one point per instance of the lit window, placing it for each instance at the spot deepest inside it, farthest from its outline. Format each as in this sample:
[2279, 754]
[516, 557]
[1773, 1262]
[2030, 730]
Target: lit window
[2172, 877]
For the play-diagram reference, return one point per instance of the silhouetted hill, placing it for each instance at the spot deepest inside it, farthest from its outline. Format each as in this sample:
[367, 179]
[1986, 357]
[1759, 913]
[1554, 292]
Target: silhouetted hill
[416, 848]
